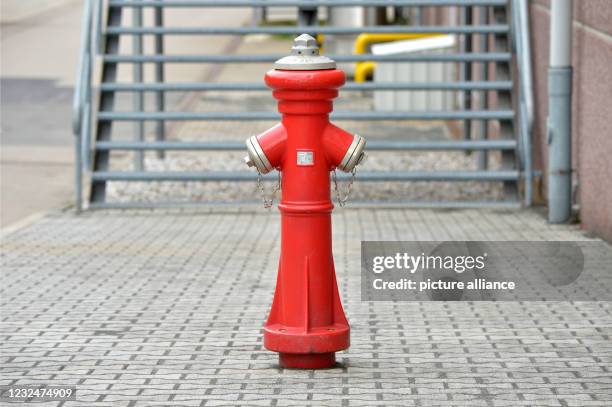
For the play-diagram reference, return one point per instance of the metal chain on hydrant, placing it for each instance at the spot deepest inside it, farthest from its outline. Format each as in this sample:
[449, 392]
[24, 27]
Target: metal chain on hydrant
[268, 200]
[343, 199]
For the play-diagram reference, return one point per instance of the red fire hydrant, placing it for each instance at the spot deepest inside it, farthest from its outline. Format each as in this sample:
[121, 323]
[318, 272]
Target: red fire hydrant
[306, 324]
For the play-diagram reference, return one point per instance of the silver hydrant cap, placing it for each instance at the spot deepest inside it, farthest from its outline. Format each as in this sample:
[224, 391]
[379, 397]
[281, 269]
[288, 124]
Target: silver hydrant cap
[305, 56]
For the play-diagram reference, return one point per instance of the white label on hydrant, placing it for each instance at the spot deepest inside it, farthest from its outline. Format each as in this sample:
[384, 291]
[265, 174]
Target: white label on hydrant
[305, 158]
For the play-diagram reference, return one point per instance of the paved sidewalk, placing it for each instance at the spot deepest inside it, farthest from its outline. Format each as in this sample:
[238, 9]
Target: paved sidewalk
[147, 308]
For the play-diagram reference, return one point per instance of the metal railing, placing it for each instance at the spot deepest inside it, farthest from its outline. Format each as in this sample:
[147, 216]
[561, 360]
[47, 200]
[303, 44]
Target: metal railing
[523, 53]
[92, 42]
[82, 101]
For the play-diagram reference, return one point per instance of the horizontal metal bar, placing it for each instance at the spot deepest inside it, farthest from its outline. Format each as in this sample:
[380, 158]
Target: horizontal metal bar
[259, 86]
[427, 145]
[347, 115]
[171, 145]
[181, 86]
[441, 145]
[396, 203]
[350, 86]
[303, 3]
[259, 58]
[351, 204]
[378, 29]
[244, 176]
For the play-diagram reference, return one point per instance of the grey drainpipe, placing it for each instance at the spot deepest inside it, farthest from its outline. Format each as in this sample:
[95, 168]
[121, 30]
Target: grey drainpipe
[560, 113]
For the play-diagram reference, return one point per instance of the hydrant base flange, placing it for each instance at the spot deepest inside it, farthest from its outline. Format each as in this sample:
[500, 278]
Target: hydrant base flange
[306, 360]
[284, 339]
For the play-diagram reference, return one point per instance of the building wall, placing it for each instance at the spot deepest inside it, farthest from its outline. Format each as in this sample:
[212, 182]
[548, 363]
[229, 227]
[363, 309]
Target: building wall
[591, 105]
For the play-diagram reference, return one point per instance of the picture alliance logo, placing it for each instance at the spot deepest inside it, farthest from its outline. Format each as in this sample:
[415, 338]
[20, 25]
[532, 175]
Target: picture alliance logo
[422, 262]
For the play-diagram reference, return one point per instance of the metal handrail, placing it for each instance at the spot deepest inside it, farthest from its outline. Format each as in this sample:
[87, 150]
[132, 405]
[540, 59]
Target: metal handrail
[83, 63]
[91, 44]
[81, 103]
[523, 51]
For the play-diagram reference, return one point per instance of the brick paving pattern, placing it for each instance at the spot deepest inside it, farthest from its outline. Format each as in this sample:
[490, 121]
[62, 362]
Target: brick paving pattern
[148, 308]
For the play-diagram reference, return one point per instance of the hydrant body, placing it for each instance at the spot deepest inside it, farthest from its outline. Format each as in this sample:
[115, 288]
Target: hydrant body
[306, 324]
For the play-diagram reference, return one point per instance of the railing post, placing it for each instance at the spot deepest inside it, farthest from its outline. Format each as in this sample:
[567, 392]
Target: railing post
[527, 154]
[467, 72]
[260, 15]
[520, 30]
[160, 130]
[78, 175]
[418, 15]
[138, 97]
[87, 112]
[81, 100]
[99, 16]
[307, 16]
[483, 157]
[528, 101]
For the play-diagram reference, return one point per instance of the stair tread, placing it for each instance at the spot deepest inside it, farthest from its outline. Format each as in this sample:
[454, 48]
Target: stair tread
[401, 29]
[339, 115]
[269, 58]
[304, 3]
[185, 86]
[371, 145]
[438, 175]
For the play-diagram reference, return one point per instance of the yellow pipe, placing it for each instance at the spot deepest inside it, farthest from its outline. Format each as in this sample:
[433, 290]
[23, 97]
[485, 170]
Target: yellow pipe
[320, 41]
[363, 40]
[363, 69]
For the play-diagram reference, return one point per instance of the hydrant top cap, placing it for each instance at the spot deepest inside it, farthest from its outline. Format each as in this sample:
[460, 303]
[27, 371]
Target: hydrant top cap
[305, 56]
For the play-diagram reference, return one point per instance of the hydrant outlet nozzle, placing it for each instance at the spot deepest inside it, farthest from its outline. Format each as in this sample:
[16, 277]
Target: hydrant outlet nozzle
[354, 154]
[257, 157]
